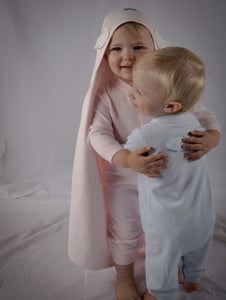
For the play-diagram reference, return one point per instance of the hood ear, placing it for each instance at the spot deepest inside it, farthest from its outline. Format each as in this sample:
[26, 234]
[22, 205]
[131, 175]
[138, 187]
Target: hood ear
[172, 107]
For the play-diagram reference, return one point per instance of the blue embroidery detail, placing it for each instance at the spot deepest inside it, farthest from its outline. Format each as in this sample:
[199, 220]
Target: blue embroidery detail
[200, 128]
[174, 143]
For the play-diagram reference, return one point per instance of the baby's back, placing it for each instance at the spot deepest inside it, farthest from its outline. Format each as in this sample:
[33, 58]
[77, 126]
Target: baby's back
[181, 198]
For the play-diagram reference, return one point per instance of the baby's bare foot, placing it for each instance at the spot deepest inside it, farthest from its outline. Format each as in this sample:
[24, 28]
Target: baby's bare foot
[148, 296]
[180, 278]
[126, 290]
[191, 286]
[125, 284]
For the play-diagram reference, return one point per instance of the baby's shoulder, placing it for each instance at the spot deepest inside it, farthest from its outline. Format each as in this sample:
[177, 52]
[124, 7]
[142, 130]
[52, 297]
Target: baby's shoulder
[110, 90]
[152, 127]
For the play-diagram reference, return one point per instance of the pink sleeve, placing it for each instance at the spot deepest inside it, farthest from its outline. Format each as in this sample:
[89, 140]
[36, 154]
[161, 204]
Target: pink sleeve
[101, 133]
[206, 118]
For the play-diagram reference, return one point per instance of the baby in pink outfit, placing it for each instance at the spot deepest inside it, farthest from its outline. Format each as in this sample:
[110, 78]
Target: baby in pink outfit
[105, 227]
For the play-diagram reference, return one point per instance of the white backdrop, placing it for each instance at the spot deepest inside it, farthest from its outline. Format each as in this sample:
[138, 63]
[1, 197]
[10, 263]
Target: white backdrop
[46, 59]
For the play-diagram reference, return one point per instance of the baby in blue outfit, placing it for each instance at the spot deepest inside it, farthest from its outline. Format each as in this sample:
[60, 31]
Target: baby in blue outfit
[177, 208]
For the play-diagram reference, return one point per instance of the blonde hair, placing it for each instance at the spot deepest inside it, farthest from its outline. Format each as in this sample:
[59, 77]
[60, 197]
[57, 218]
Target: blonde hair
[180, 72]
[134, 27]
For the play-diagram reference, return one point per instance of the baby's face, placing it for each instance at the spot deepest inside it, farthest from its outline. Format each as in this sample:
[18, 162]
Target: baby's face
[125, 48]
[146, 95]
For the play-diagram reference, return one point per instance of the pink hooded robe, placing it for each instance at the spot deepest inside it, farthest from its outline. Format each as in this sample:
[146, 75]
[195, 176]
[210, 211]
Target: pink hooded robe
[87, 243]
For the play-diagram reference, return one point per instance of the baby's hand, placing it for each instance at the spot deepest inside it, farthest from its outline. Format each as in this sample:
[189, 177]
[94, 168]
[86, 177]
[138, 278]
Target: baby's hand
[201, 143]
[147, 165]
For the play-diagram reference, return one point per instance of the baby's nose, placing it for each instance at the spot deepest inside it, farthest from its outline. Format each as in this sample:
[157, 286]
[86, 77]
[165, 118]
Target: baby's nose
[128, 54]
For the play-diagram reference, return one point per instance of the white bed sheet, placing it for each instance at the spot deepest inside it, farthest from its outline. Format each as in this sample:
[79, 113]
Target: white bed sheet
[34, 264]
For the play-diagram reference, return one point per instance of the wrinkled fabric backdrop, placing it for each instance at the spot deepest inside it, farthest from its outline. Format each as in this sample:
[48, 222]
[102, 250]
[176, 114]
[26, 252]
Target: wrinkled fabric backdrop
[46, 59]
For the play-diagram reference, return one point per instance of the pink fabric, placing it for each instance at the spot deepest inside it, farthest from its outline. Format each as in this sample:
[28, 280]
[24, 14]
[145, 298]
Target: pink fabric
[124, 225]
[206, 118]
[87, 242]
[107, 132]
[87, 239]
[112, 105]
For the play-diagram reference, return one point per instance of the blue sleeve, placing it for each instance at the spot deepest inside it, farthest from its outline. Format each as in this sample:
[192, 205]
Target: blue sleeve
[134, 141]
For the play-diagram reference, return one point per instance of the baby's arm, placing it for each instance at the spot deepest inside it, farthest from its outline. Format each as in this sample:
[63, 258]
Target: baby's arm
[203, 141]
[102, 139]
[136, 160]
[133, 156]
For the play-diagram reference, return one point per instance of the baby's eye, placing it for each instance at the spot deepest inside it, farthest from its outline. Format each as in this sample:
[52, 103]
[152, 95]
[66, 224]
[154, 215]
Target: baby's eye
[138, 47]
[116, 49]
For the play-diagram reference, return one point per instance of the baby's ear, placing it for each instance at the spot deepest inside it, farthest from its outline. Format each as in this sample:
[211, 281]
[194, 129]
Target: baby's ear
[172, 107]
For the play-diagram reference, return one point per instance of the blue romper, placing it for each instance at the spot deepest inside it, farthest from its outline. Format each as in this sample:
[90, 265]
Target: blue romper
[177, 209]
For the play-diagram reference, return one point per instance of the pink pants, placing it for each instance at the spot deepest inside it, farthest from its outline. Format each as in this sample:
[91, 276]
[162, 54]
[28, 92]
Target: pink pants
[124, 223]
